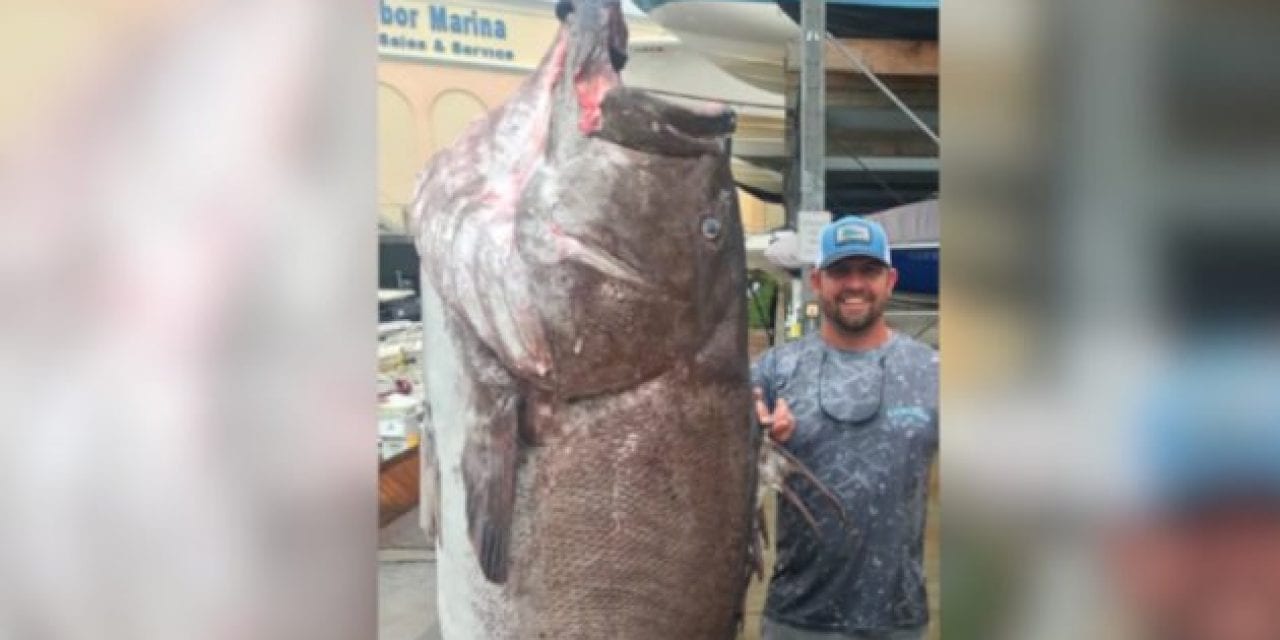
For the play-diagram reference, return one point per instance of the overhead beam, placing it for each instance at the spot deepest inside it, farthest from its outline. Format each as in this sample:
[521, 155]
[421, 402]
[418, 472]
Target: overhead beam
[856, 90]
[910, 58]
[893, 164]
[875, 119]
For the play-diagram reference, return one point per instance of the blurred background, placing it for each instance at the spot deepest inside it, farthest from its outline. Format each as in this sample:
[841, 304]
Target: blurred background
[1110, 290]
[187, 260]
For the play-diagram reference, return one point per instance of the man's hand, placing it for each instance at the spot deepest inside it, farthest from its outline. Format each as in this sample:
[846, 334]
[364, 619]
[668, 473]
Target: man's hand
[780, 424]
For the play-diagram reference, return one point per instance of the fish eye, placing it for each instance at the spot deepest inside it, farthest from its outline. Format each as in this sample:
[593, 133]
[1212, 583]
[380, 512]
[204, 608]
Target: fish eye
[710, 228]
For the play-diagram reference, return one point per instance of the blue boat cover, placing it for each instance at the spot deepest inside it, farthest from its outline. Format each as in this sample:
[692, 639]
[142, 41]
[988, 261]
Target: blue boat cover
[914, 232]
[904, 19]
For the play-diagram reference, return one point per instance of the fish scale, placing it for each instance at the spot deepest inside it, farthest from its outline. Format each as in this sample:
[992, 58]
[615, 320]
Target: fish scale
[646, 545]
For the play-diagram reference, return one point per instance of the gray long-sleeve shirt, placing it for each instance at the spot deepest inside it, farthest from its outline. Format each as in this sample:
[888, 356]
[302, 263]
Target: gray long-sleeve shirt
[867, 426]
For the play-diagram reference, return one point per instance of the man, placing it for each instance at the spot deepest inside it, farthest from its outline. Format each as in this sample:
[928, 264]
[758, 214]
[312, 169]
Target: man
[857, 404]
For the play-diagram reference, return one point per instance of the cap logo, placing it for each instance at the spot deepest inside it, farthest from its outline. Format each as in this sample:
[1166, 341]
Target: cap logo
[853, 234]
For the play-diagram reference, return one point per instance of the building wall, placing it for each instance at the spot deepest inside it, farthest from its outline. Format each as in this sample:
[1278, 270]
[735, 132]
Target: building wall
[759, 216]
[423, 108]
[433, 81]
[441, 66]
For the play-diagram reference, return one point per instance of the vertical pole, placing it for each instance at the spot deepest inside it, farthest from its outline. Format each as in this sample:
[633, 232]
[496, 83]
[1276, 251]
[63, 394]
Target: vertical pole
[813, 133]
[813, 103]
[790, 293]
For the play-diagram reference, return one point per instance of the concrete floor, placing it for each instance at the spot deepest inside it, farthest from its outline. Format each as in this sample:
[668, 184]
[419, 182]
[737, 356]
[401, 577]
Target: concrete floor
[406, 600]
[406, 583]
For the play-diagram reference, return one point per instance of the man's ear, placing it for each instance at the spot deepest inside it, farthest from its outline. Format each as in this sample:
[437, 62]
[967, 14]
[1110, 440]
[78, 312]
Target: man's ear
[893, 279]
[815, 279]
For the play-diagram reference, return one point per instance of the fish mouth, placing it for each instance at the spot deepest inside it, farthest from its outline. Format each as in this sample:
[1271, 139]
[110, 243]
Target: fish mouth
[639, 120]
[597, 44]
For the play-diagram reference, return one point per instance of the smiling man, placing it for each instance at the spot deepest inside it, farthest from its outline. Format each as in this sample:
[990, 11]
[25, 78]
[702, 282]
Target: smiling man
[857, 403]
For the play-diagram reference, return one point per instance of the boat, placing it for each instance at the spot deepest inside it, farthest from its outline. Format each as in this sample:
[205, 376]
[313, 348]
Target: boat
[888, 19]
[749, 38]
[876, 155]
[914, 247]
[914, 233]
[670, 68]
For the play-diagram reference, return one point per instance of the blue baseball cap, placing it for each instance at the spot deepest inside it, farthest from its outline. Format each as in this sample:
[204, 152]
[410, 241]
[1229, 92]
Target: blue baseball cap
[852, 236]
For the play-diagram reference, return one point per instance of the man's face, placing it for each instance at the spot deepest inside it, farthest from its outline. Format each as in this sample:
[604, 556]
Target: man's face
[854, 292]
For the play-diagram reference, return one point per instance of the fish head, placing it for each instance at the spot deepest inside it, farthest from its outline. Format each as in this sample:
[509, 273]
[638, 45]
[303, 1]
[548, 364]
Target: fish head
[583, 213]
[634, 212]
[643, 224]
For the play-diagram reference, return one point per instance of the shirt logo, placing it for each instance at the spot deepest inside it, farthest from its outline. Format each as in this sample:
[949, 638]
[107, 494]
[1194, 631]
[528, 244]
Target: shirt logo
[909, 413]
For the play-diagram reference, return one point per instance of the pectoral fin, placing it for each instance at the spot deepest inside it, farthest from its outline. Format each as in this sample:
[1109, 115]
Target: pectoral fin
[489, 476]
[429, 481]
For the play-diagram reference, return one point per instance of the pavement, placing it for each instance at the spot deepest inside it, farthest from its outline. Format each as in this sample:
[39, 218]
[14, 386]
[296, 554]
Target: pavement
[406, 582]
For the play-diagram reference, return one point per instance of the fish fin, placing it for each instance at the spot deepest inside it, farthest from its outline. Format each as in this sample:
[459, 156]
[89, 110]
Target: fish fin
[763, 524]
[778, 464]
[489, 477]
[754, 566]
[498, 304]
[758, 542]
[469, 209]
[794, 498]
[429, 484]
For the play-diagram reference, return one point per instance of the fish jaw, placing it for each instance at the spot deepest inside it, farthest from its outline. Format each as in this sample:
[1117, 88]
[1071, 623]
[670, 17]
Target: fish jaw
[598, 30]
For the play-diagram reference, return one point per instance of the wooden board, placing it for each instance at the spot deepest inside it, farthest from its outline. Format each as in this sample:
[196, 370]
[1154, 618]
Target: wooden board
[397, 485]
[884, 57]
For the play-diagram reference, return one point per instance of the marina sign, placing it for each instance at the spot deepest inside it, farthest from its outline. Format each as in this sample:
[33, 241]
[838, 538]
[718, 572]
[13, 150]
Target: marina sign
[468, 33]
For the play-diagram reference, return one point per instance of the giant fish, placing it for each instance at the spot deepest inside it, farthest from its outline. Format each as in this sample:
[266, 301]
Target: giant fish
[591, 455]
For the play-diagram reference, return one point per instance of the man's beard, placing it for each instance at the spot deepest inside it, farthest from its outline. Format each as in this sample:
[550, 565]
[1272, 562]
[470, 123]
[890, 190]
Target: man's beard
[851, 325]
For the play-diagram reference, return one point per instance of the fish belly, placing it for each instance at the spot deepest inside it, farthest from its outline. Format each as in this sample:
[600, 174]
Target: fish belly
[634, 519]
[470, 607]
